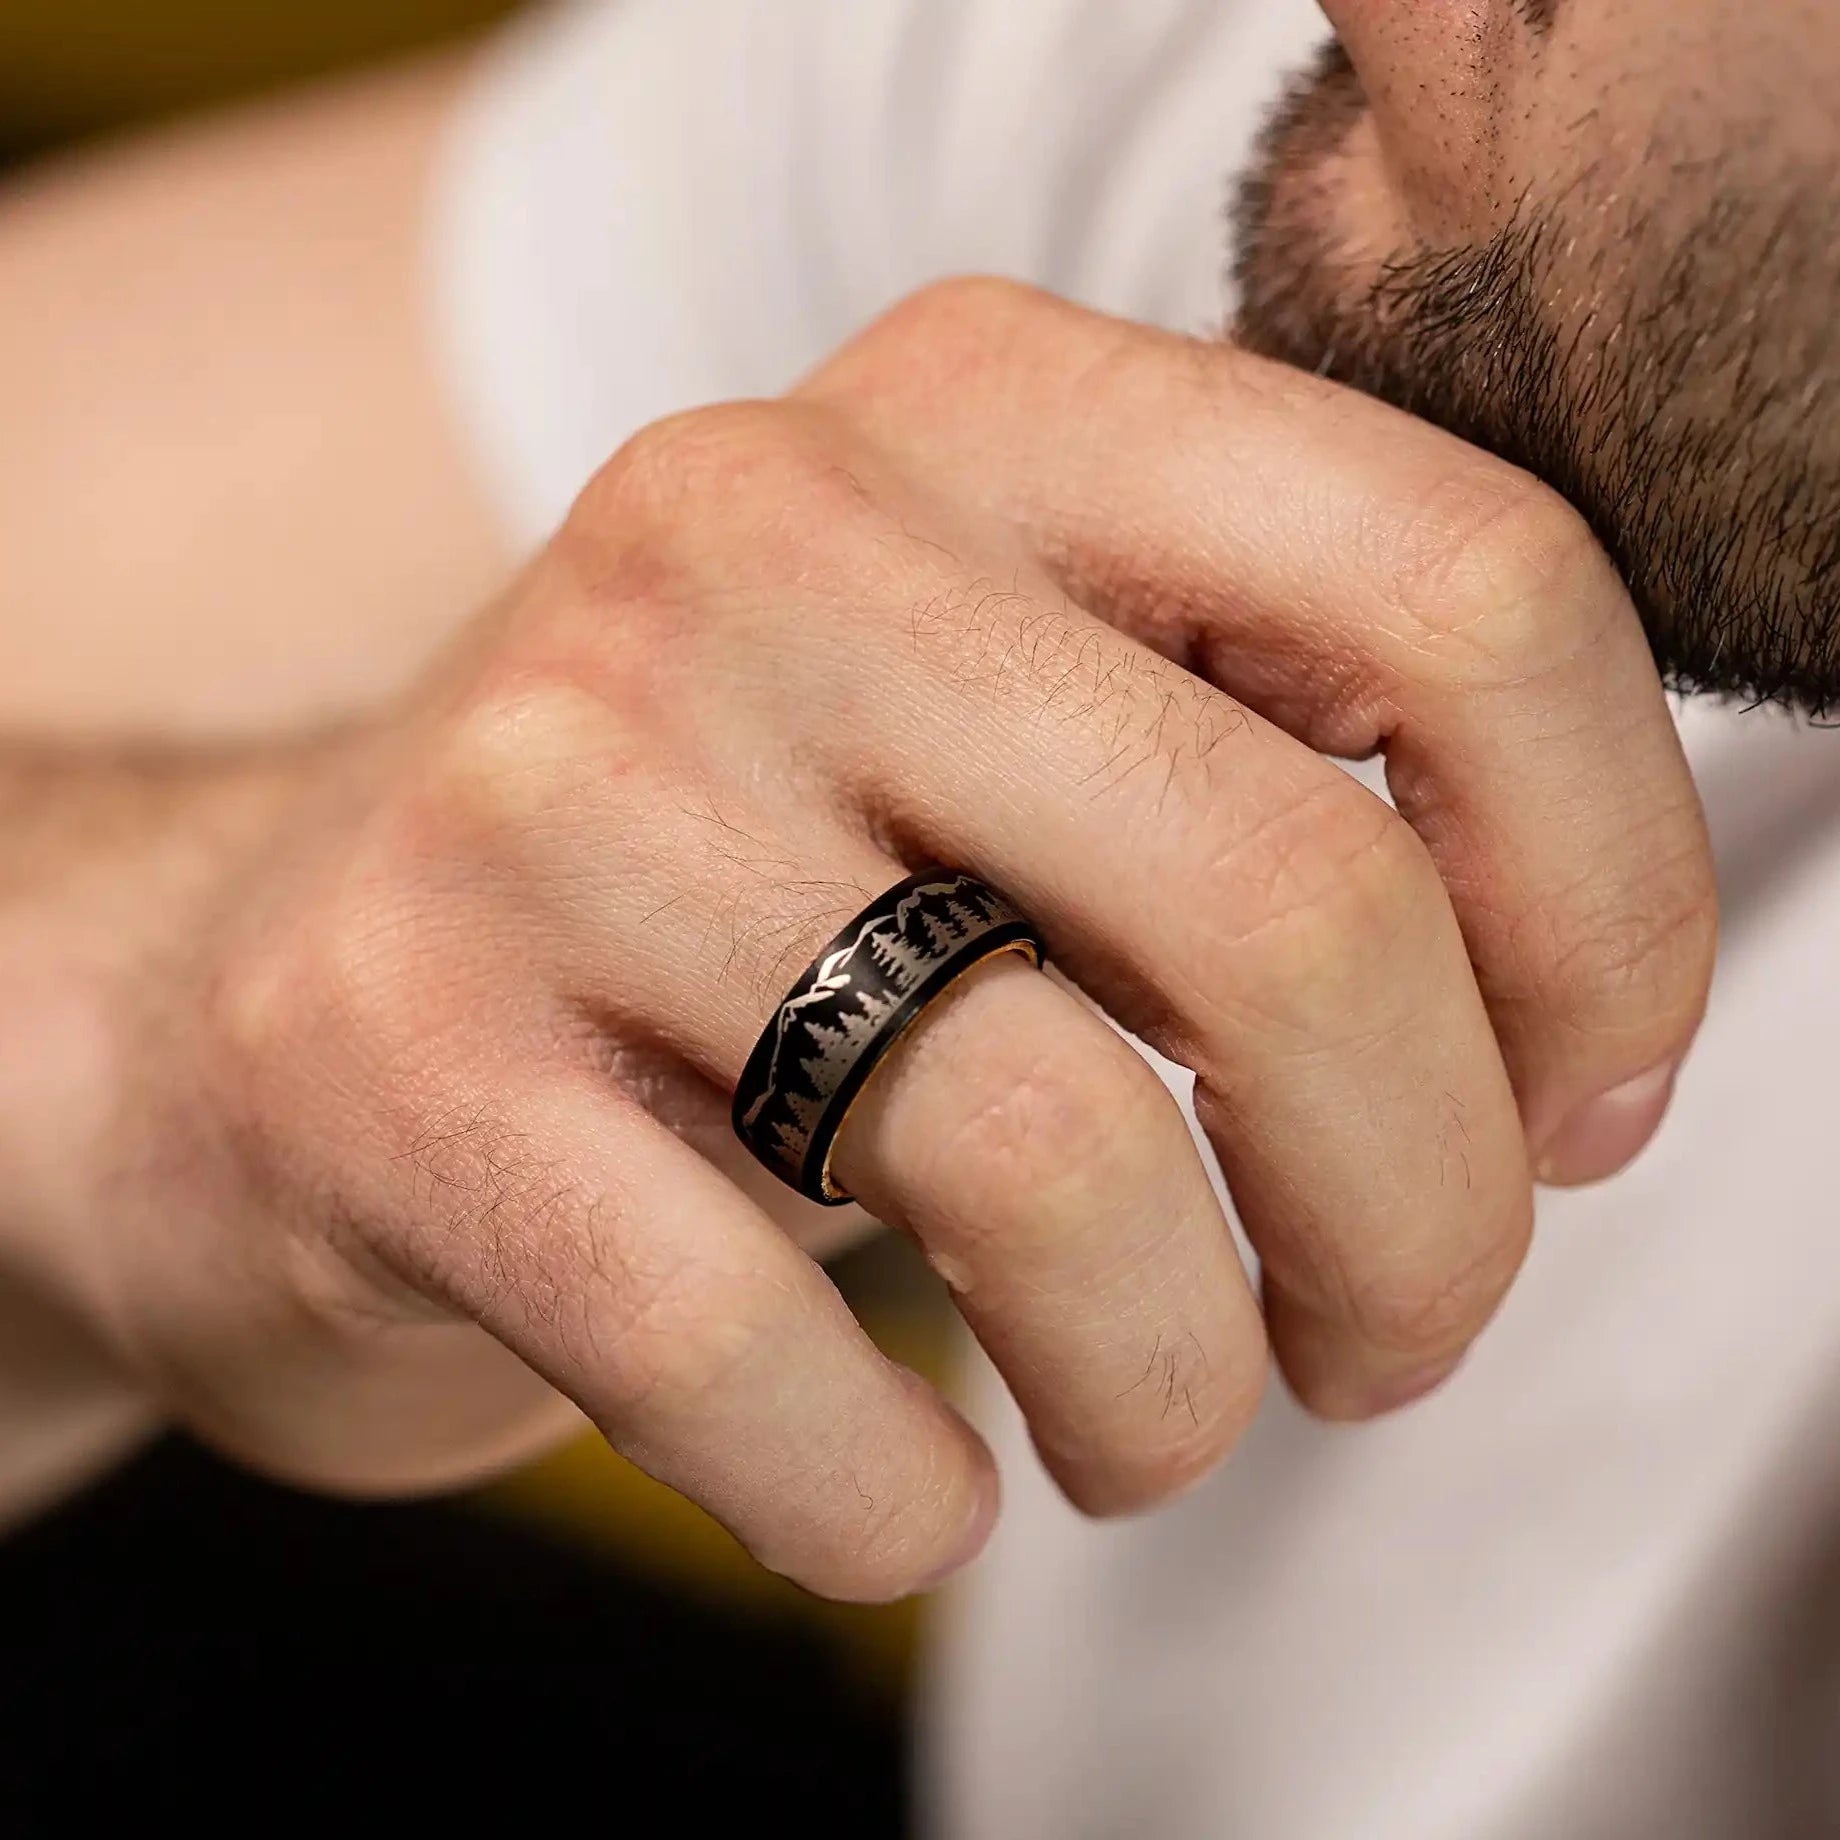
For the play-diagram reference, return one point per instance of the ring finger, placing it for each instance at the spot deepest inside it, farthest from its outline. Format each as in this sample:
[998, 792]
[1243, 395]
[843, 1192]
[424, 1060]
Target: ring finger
[1047, 1172]
[1242, 904]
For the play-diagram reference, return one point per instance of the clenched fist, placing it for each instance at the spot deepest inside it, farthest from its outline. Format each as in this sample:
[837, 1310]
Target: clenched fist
[417, 1134]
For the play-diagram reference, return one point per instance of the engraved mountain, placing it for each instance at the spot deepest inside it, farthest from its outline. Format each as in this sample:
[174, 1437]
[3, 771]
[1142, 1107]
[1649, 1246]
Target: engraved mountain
[823, 1031]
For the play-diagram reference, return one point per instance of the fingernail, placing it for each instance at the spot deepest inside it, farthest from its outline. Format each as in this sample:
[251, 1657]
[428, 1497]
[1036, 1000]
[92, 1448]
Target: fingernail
[1606, 1134]
[1408, 1389]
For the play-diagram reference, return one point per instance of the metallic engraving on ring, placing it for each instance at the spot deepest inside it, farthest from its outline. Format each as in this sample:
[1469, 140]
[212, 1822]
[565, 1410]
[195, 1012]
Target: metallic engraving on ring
[848, 1009]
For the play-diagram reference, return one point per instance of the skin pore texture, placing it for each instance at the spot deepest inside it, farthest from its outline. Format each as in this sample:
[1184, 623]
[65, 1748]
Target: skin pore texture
[1603, 241]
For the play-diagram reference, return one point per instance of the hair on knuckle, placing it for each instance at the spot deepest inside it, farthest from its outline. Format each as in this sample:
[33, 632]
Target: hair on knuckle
[494, 1212]
[1132, 717]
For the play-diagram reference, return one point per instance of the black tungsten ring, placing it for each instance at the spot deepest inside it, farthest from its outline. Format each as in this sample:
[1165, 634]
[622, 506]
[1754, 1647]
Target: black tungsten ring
[857, 998]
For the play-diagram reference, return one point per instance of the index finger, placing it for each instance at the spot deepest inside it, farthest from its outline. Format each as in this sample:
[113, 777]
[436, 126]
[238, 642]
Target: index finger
[1370, 583]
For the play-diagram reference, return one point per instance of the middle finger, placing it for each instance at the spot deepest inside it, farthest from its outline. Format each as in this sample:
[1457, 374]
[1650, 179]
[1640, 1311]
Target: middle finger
[1246, 907]
[1046, 1171]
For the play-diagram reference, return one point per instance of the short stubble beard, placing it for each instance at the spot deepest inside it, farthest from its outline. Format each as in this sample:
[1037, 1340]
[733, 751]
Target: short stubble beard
[1689, 406]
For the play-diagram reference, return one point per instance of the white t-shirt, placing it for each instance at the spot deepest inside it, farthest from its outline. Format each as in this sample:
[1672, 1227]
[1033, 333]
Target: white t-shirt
[1593, 1589]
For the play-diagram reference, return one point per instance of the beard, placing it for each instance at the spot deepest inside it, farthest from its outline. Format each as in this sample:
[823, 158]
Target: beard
[1680, 385]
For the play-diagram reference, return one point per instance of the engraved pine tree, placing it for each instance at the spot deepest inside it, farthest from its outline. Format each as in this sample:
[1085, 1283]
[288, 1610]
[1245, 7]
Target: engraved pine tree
[963, 918]
[876, 1009]
[859, 1025]
[902, 964]
[939, 937]
[795, 1132]
[836, 1051]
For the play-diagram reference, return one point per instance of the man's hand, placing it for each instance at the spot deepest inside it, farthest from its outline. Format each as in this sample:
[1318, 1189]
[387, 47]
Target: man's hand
[425, 1114]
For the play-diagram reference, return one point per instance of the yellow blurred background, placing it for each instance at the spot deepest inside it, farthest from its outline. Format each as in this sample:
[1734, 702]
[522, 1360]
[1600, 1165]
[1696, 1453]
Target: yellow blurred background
[79, 67]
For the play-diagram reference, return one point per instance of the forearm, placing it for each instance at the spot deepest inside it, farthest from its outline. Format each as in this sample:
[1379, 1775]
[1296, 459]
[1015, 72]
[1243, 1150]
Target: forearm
[230, 496]
[108, 863]
[230, 503]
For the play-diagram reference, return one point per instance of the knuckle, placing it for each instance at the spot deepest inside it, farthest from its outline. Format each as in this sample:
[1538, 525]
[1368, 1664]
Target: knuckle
[974, 300]
[681, 1334]
[966, 313]
[329, 976]
[1438, 1306]
[943, 340]
[369, 967]
[1040, 1124]
[365, 986]
[313, 1032]
[1645, 961]
[344, 1279]
[1159, 1461]
[253, 1008]
[1498, 578]
[520, 753]
[718, 502]
[1160, 1468]
[693, 461]
[1320, 915]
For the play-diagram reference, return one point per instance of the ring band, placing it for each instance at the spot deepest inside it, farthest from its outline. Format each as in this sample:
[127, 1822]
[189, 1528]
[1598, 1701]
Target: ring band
[854, 1002]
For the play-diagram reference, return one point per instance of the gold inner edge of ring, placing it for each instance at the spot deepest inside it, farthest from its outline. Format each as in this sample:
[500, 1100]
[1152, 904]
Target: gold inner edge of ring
[1029, 950]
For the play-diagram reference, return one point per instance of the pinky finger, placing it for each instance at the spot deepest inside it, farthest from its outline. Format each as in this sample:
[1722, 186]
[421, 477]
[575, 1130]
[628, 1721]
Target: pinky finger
[712, 1352]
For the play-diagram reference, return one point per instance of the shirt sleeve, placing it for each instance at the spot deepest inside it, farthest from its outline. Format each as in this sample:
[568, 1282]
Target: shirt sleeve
[650, 204]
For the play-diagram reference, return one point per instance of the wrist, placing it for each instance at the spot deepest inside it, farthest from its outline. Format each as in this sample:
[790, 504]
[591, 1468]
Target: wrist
[109, 868]
[119, 867]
